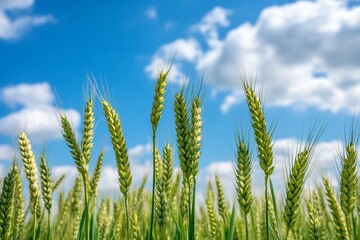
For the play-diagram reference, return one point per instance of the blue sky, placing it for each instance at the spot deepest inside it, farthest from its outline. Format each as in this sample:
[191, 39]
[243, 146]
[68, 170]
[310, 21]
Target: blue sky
[305, 54]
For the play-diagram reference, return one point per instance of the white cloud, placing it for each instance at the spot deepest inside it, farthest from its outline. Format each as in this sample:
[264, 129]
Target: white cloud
[38, 117]
[27, 95]
[139, 150]
[209, 24]
[7, 152]
[187, 50]
[15, 27]
[304, 52]
[151, 13]
[229, 101]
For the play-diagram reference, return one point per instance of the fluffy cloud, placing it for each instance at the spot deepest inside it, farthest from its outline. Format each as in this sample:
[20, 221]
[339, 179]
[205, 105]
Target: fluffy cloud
[139, 150]
[15, 27]
[27, 95]
[7, 152]
[230, 100]
[37, 115]
[184, 50]
[304, 52]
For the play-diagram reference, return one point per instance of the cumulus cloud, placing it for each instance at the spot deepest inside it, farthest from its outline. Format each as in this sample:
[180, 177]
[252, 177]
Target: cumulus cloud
[230, 100]
[37, 114]
[303, 51]
[7, 152]
[15, 27]
[184, 50]
[139, 150]
[27, 95]
[209, 24]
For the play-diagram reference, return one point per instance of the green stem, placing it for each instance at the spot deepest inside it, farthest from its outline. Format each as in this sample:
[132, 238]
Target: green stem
[87, 228]
[253, 225]
[267, 208]
[246, 227]
[49, 229]
[354, 226]
[287, 233]
[127, 217]
[192, 212]
[153, 186]
[34, 223]
[189, 210]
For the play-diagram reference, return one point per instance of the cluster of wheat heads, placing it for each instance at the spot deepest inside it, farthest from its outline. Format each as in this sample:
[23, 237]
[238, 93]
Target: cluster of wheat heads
[170, 210]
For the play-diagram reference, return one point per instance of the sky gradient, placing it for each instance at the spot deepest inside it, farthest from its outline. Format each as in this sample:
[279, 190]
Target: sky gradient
[304, 55]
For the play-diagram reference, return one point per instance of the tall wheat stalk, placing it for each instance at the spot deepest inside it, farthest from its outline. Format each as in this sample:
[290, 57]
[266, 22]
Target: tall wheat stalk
[28, 159]
[263, 142]
[121, 154]
[155, 115]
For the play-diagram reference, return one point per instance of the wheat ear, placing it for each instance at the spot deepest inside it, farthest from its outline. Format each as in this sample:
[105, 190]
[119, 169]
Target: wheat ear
[6, 204]
[96, 175]
[313, 224]
[46, 184]
[348, 179]
[121, 153]
[263, 142]
[262, 135]
[211, 214]
[88, 130]
[19, 205]
[58, 182]
[28, 159]
[136, 227]
[222, 205]
[183, 136]
[295, 185]
[335, 209]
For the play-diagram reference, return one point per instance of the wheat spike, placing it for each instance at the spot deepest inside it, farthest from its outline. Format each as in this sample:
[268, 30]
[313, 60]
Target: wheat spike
[262, 135]
[58, 182]
[6, 205]
[184, 199]
[183, 136]
[348, 179]
[136, 227]
[295, 186]
[88, 131]
[196, 131]
[69, 136]
[243, 176]
[313, 224]
[46, 184]
[211, 215]
[337, 215]
[158, 101]
[168, 169]
[19, 205]
[28, 159]
[63, 214]
[222, 205]
[96, 174]
[119, 146]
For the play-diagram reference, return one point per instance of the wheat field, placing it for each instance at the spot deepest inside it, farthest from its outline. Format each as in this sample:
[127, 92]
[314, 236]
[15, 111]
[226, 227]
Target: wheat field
[169, 209]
